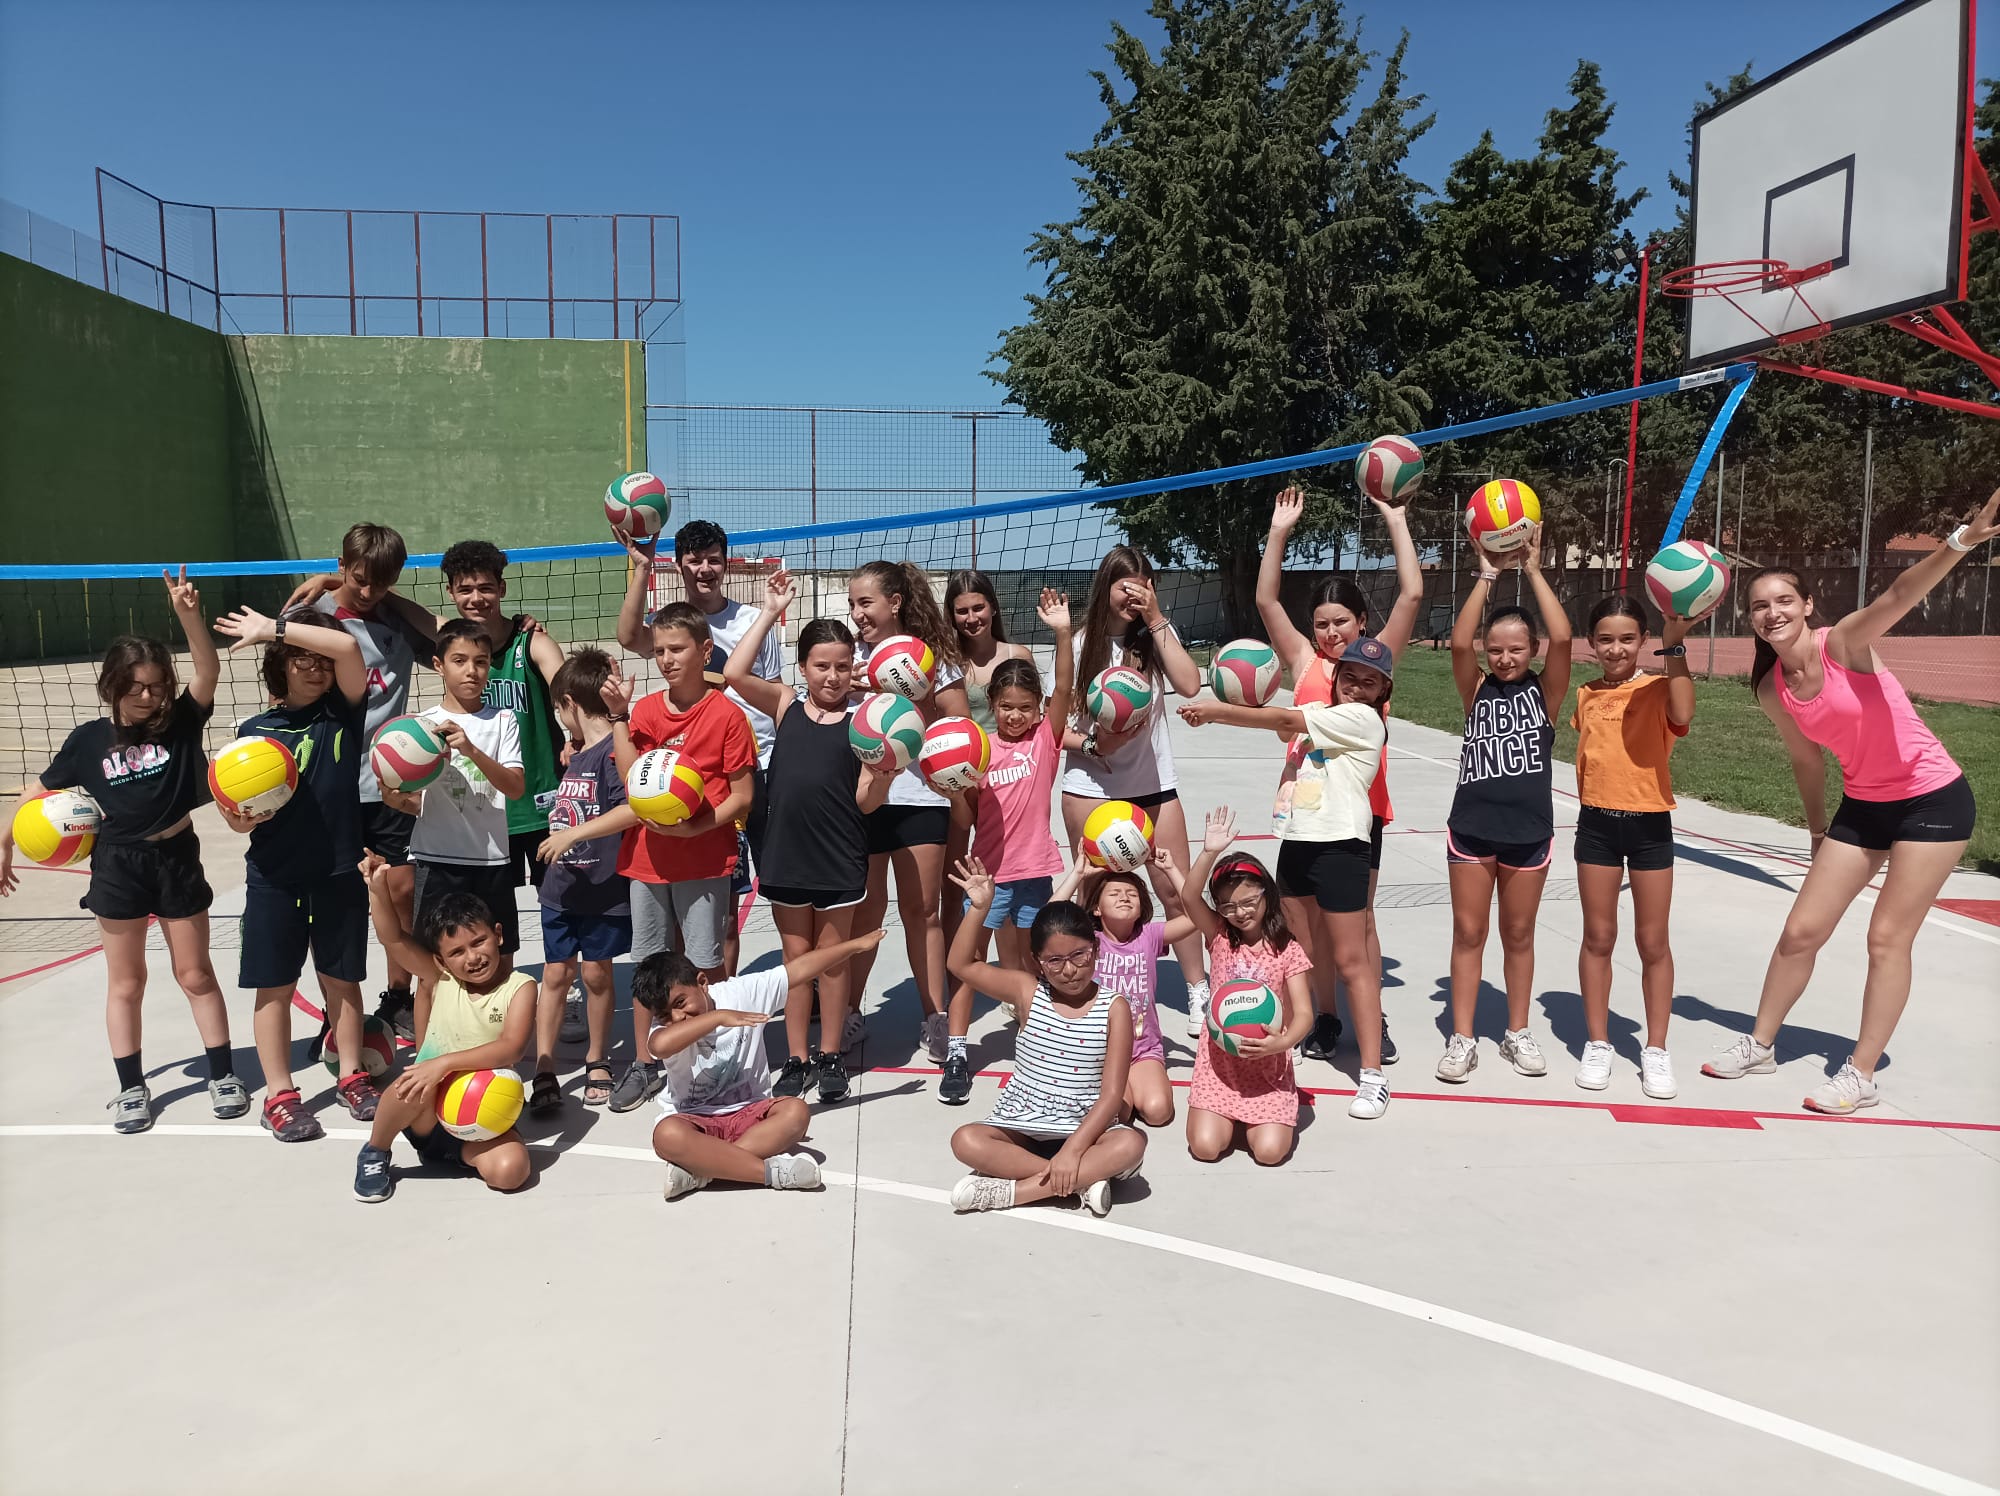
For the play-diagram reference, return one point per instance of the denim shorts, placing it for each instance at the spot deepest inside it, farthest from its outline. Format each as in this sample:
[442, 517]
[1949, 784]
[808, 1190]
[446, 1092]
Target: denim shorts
[1017, 903]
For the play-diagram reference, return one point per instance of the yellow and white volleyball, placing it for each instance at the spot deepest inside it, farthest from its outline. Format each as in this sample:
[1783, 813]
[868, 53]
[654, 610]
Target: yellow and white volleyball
[56, 828]
[477, 1105]
[253, 776]
[1117, 835]
[663, 790]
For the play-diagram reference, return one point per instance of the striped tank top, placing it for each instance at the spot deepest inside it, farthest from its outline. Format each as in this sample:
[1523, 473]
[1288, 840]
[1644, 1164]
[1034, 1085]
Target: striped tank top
[1058, 1068]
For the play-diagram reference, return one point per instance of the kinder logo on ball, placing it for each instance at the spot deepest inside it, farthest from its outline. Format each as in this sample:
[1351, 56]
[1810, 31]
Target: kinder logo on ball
[637, 506]
[902, 665]
[1117, 835]
[955, 754]
[1503, 515]
[56, 828]
[407, 754]
[1118, 698]
[1242, 1010]
[886, 732]
[253, 776]
[1244, 673]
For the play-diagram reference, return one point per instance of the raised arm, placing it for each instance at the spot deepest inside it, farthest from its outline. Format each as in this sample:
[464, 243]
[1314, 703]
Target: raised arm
[1402, 620]
[1855, 635]
[1179, 668]
[1001, 983]
[1465, 671]
[186, 600]
[1293, 647]
[1808, 763]
[1180, 926]
[1286, 721]
[632, 612]
[397, 943]
[1555, 619]
[740, 671]
[247, 627]
[1217, 833]
[1054, 614]
[1680, 681]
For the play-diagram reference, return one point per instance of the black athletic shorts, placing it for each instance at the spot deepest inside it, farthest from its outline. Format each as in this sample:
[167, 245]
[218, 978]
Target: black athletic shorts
[1945, 814]
[1333, 873]
[524, 868]
[1152, 802]
[130, 880]
[1525, 857]
[386, 832]
[493, 882]
[281, 926]
[825, 900]
[1375, 843]
[1642, 840]
[890, 828]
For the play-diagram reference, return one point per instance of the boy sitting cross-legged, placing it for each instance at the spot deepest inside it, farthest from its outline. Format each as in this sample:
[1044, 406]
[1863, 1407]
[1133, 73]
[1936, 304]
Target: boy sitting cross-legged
[480, 1017]
[722, 1122]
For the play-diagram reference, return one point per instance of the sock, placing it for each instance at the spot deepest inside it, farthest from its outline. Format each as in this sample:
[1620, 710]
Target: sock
[653, 1066]
[219, 1062]
[130, 1071]
[1377, 1074]
[955, 1046]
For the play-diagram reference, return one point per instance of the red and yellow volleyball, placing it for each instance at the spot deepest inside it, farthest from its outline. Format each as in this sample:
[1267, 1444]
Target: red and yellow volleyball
[902, 665]
[955, 754]
[253, 776]
[1117, 835]
[477, 1105]
[1503, 514]
[56, 828]
[664, 790]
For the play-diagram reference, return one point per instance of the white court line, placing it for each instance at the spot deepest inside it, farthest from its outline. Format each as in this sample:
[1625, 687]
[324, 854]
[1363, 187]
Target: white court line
[1805, 1435]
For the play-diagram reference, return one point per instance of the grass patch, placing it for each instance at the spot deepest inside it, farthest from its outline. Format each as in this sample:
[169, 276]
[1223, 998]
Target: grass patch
[1731, 757]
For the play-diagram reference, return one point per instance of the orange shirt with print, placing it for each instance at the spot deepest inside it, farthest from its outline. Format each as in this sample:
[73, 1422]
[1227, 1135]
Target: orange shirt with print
[1624, 740]
[714, 739]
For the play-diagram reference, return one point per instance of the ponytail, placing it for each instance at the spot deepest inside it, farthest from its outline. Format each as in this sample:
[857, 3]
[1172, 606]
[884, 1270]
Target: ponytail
[918, 613]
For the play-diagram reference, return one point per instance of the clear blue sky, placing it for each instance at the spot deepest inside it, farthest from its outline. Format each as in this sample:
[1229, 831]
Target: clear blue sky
[857, 182]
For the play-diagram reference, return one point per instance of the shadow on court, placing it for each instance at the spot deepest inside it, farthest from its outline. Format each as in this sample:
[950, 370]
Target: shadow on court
[1794, 1040]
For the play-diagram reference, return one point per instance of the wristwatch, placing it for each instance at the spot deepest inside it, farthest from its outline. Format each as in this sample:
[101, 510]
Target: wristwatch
[1672, 651]
[278, 634]
[1090, 743]
[619, 717]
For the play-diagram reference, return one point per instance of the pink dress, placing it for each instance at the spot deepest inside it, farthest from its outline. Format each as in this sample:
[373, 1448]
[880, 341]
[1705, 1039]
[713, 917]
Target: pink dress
[1131, 968]
[1254, 1092]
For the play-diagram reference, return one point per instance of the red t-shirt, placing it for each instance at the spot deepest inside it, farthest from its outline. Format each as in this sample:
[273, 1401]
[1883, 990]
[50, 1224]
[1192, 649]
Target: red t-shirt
[714, 738]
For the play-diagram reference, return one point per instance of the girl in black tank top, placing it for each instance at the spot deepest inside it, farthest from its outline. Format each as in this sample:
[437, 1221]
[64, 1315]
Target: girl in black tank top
[1502, 818]
[813, 870]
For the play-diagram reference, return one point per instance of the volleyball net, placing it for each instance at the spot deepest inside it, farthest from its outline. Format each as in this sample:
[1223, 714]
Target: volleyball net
[55, 621]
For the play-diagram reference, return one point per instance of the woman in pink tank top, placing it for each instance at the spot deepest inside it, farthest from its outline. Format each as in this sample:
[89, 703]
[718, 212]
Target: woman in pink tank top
[1906, 805]
[1339, 617]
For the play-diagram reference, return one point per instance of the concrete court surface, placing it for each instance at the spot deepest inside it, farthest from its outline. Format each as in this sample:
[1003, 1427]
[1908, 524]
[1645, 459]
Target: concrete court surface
[1511, 1286]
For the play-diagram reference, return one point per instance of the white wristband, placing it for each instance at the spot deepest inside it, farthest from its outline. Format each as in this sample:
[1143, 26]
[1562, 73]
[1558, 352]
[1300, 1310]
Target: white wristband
[1957, 541]
[1489, 576]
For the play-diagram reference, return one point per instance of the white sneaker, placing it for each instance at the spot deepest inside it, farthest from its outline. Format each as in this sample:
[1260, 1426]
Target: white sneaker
[977, 1192]
[681, 1182]
[853, 1029]
[1097, 1199]
[937, 1037]
[1519, 1049]
[1593, 1072]
[575, 1027]
[1656, 1074]
[792, 1171]
[1848, 1091]
[1461, 1058]
[1371, 1097]
[1197, 1014]
[1745, 1057]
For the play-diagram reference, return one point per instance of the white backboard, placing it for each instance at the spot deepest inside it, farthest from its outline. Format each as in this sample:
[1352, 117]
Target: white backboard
[1852, 156]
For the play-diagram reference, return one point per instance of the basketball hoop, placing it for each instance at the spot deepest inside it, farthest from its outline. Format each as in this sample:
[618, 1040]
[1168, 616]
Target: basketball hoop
[1730, 279]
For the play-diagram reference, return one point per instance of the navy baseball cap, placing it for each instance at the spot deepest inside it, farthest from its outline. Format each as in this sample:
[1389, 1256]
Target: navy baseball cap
[1370, 654]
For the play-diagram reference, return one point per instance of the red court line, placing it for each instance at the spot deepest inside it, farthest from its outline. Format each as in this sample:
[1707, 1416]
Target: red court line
[749, 903]
[1987, 911]
[48, 966]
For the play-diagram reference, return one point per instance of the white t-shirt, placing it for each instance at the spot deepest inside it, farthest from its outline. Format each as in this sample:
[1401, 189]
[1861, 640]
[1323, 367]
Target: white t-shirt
[908, 787]
[1323, 794]
[726, 628]
[725, 1071]
[1144, 766]
[464, 818]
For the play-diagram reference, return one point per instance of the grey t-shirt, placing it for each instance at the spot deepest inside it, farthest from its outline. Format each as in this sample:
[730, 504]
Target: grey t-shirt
[389, 650]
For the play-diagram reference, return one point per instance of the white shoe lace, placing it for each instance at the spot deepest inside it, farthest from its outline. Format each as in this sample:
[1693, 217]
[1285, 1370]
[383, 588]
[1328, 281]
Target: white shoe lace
[1845, 1086]
[1373, 1089]
[1458, 1047]
[1525, 1045]
[1656, 1063]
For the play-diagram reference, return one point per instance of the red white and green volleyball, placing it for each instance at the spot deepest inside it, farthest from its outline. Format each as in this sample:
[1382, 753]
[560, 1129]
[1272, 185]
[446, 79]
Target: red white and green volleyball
[903, 666]
[1688, 579]
[1390, 469]
[954, 755]
[253, 776]
[886, 732]
[1503, 514]
[1244, 672]
[1118, 698]
[663, 789]
[477, 1105]
[1242, 1010]
[637, 506]
[407, 753]
[56, 828]
[378, 1050]
[1117, 835]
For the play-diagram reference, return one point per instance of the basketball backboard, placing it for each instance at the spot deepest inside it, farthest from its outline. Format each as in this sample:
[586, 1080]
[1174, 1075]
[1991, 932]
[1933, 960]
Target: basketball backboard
[1848, 165]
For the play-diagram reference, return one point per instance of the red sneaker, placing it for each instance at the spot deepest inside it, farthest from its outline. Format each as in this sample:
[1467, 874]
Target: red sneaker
[287, 1120]
[359, 1095]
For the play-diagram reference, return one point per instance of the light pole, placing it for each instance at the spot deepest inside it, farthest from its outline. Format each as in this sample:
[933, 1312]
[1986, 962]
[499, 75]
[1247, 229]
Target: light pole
[1604, 549]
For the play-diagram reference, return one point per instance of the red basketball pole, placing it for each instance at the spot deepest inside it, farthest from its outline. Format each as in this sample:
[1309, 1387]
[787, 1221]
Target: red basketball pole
[1632, 431]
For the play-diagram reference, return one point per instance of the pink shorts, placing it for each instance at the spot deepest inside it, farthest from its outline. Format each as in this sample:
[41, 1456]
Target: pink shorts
[729, 1127]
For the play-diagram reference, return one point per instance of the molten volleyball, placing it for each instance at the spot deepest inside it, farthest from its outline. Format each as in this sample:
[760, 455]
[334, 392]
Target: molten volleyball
[902, 665]
[662, 789]
[1390, 469]
[475, 1105]
[637, 506]
[253, 776]
[1503, 514]
[378, 1050]
[954, 756]
[1687, 580]
[886, 732]
[56, 828]
[1242, 1010]
[1118, 698]
[1244, 672]
[407, 754]
[1117, 835]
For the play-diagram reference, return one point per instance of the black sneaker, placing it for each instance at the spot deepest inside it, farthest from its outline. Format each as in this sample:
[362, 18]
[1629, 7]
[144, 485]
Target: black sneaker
[398, 1009]
[1319, 1044]
[832, 1077]
[1389, 1055]
[955, 1089]
[795, 1079]
[317, 1048]
[373, 1179]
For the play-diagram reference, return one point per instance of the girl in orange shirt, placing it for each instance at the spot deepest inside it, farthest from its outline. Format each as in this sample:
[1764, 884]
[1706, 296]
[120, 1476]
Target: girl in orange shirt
[1627, 725]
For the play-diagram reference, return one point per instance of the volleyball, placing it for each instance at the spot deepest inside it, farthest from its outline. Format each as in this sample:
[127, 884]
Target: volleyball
[1118, 698]
[662, 790]
[637, 506]
[1687, 579]
[476, 1105]
[1117, 835]
[954, 756]
[407, 754]
[902, 665]
[1390, 469]
[1242, 1010]
[1244, 673]
[56, 828]
[253, 776]
[378, 1049]
[886, 732]
[1503, 514]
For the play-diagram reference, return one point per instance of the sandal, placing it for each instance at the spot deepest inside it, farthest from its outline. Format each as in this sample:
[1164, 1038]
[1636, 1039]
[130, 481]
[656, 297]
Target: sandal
[545, 1100]
[596, 1092]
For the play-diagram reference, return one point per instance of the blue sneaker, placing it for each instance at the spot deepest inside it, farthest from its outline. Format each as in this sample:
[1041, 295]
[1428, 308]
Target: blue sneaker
[373, 1179]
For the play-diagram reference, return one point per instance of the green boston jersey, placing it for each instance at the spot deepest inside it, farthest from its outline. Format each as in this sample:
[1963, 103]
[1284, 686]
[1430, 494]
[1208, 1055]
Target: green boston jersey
[518, 686]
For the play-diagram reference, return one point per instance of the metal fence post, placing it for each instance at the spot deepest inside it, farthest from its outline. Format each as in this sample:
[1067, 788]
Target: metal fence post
[1867, 514]
[1721, 461]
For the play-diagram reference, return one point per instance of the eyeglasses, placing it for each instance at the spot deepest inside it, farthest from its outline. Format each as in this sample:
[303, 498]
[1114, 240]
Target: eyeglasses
[1242, 906]
[1072, 962]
